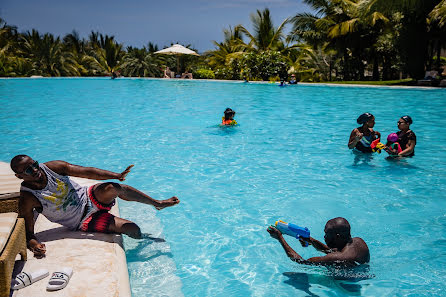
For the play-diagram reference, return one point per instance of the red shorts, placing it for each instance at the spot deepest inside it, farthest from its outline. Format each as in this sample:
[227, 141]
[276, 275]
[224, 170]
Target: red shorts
[99, 220]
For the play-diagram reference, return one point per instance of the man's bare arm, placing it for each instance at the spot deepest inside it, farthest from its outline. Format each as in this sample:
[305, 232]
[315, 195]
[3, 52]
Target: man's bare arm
[336, 258]
[319, 245]
[65, 168]
[27, 203]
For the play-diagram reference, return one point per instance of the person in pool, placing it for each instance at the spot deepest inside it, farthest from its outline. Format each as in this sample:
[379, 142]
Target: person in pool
[362, 137]
[293, 80]
[228, 119]
[48, 188]
[406, 138]
[340, 248]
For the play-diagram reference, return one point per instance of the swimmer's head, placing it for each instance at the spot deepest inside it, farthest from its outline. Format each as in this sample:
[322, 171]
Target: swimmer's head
[229, 113]
[393, 137]
[366, 118]
[407, 119]
[337, 233]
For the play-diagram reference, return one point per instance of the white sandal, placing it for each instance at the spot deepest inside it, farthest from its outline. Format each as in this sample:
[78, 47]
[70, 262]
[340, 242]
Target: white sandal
[24, 279]
[59, 279]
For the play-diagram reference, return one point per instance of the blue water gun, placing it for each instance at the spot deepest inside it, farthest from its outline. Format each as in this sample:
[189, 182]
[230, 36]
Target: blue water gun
[293, 230]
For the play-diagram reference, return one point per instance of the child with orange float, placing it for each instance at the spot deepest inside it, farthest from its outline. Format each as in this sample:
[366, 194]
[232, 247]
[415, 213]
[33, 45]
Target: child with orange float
[228, 119]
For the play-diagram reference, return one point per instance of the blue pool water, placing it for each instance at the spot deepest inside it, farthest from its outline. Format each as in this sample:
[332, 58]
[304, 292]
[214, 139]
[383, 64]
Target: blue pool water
[288, 159]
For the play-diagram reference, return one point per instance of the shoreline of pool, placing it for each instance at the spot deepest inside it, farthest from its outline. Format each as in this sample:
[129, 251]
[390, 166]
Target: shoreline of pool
[98, 260]
[234, 81]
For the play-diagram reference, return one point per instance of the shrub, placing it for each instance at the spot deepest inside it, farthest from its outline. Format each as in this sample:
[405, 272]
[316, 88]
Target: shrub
[203, 73]
[264, 65]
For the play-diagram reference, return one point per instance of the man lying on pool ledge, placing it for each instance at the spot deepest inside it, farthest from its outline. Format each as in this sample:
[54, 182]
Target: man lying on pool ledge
[48, 189]
[341, 248]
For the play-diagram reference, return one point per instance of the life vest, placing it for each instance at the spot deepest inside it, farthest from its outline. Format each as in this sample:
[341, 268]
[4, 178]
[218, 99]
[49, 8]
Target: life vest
[228, 122]
[396, 146]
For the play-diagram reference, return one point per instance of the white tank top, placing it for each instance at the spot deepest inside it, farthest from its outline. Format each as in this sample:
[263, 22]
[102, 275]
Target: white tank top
[62, 199]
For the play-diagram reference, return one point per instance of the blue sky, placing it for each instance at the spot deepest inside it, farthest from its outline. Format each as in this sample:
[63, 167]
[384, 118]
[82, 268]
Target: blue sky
[136, 22]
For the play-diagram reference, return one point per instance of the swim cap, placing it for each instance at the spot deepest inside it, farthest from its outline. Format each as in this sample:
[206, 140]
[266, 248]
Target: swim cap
[393, 137]
[407, 119]
[228, 110]
[364, 118]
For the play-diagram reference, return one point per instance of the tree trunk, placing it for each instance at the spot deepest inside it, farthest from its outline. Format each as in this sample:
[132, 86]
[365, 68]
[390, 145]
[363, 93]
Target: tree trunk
[438, 66]
[375, 75]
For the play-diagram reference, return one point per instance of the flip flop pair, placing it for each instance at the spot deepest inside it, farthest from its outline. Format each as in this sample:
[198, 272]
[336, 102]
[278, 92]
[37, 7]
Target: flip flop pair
[58, 280]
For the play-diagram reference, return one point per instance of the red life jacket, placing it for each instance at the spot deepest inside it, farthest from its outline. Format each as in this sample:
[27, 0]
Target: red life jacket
[228, 122]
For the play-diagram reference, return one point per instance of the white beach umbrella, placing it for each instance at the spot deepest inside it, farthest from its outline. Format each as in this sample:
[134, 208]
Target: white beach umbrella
[177, 49]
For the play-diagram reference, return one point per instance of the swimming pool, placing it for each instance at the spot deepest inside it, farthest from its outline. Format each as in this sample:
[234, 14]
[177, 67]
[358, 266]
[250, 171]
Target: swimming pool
[287, 160]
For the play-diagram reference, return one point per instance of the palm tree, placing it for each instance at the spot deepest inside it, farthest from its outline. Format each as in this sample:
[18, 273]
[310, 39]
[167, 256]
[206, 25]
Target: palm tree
[105, 53]
[413, 41]
[10, 63]
[141, 62]
[265, 36]
[437, 30]
[46, 55]
[339, 26]
[231, 48]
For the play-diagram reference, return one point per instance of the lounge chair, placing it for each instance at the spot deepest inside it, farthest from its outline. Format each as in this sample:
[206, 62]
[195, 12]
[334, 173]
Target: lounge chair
[430, 79]
[12, 239]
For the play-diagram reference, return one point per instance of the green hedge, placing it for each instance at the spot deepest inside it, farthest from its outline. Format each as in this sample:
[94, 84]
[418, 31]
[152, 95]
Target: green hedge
[204, 74]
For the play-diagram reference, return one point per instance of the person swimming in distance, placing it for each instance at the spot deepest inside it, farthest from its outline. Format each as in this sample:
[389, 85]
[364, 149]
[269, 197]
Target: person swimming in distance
[340, 248]
[293, 80]
[362, 137]
[228, 119]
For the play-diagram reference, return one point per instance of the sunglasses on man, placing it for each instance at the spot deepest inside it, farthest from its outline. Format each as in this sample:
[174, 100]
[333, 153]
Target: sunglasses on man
[31, 168]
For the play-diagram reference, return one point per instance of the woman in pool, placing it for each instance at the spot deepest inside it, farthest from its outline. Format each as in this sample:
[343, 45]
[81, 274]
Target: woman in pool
[228, 119]
[362, 137]
[406, 137]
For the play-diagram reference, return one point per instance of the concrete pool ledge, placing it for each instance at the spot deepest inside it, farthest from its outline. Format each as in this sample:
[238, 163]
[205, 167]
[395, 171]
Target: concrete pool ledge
[98, 260]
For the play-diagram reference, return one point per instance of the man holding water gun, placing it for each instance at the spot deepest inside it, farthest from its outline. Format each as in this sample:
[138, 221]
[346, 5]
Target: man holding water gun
[341, 248]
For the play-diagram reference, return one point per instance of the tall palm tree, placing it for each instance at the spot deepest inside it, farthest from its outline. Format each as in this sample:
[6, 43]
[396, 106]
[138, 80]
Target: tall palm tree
[231, 48]
[46, 55]
[10, 63]
[141, 62]
[339, 25]
[413, 40]
[437, 30]
[105, 53]
[264, 36]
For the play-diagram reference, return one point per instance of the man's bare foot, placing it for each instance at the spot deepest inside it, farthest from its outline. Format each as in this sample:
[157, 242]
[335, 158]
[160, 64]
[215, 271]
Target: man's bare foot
[168, 202]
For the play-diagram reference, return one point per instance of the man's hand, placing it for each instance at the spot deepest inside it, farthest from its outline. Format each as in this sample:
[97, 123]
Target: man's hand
[39, 249]
[125, 172]
[304, 242]
[274, 232]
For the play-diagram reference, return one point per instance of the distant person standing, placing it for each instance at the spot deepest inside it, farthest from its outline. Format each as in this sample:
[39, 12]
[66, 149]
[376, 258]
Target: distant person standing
[362, 137]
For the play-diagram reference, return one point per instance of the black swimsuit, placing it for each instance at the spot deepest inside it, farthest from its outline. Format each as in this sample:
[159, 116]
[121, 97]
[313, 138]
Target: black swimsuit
[403, 140]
